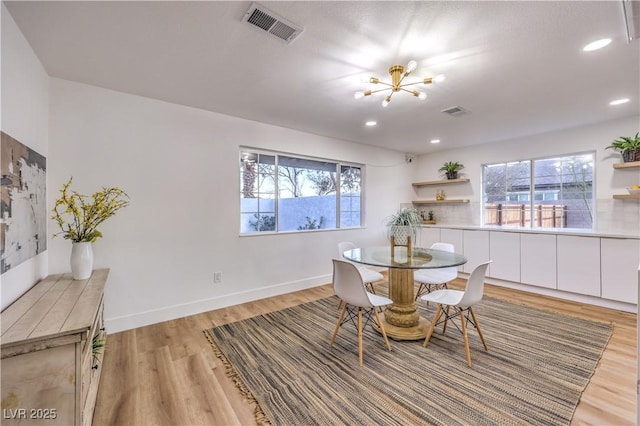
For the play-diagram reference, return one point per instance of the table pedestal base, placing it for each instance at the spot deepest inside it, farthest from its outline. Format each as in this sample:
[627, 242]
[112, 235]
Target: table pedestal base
[416, 332]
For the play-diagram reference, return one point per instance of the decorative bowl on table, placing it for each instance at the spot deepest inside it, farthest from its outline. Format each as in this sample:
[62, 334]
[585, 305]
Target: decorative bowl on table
[633, 190]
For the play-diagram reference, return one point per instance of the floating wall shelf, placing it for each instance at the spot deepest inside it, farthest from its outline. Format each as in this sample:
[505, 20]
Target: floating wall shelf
[441, 182]
[439, 202]
[625, 165]
[627, 196]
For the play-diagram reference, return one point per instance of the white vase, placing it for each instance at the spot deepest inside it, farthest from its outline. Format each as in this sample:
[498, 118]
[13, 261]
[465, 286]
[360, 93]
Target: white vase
[81, 260]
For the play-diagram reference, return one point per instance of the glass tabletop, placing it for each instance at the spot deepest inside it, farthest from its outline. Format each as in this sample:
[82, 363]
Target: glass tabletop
[421, 258]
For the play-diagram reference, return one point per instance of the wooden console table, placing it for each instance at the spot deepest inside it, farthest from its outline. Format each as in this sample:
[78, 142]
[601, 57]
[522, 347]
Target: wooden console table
[50, 373]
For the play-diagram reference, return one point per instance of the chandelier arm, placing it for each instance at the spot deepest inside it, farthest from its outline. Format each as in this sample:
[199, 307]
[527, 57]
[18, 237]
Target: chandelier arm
[411, 84]
[385, 84]
[379, 90]
[401, 79]
[406, 90]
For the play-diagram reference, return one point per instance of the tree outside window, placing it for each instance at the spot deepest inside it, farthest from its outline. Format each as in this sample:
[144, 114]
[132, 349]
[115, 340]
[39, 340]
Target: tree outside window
[286, 193]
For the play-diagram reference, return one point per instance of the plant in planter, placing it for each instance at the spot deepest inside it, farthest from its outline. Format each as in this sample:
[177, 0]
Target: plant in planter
[429, 218]
[404, 223]
[450, 169]
[98, 344]
[628, 147]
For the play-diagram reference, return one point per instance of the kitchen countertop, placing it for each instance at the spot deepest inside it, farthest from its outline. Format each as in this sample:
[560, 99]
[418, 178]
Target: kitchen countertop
[538, 230]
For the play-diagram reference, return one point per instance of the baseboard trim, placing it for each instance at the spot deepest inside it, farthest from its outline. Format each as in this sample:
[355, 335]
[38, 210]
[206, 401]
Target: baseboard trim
[141, 319]
[564, 295]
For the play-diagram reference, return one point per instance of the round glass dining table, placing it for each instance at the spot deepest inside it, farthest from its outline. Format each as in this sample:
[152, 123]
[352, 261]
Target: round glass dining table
[401, 319]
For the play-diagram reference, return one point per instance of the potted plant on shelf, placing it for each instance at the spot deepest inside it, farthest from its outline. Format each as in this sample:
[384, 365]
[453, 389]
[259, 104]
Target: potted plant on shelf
[431, 218]
[628, 147]
[402, 224]
[450, 169]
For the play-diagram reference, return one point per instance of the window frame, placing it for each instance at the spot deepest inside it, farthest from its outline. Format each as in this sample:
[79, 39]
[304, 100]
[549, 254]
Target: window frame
[276, 200]
[531, 193]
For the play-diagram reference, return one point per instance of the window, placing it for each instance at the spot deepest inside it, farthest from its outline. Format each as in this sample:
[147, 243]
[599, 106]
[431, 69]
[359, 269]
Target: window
[281, 192]
[561, 189]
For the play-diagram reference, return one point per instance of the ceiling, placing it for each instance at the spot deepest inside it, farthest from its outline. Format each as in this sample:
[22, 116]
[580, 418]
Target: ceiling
[517, 67]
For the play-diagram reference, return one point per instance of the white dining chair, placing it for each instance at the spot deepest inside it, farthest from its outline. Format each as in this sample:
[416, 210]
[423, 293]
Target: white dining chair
[368, 276]
[462, 303]
[434, 279]
[358, 303]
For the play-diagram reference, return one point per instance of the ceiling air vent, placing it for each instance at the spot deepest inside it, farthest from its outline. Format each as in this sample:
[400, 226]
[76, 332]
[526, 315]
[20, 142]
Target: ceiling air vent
[455, 111]
[261, 17]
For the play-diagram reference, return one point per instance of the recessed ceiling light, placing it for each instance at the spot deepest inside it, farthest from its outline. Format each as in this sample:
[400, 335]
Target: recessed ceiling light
[435, 140]
[598, 44]
[370, 123]
[619, 101]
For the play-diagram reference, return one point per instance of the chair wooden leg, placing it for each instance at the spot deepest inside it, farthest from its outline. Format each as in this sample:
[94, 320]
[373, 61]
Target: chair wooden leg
[335, 332]
[432, 326]
[361, 357]
[463, 320]
[475, 321]
[370, 285]
[419, 292]
[384, 333]
[446, 318]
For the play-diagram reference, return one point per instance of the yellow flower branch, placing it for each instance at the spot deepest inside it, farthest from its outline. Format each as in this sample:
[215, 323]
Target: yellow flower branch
[79, 218]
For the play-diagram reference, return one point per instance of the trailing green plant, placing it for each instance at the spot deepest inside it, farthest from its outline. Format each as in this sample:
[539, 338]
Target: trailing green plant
[407, 218]
[450, 168]
[628, 146]
[98, 344]
[625, 143]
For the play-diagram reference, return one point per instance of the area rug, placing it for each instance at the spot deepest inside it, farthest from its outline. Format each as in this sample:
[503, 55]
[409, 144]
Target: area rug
[534, 373]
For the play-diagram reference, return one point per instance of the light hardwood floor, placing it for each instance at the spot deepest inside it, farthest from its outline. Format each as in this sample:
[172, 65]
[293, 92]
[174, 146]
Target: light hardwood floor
[167, 374]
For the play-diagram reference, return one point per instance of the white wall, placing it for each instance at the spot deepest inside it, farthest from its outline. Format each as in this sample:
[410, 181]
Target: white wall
[180, 167]
[24, 116]
[617, 216]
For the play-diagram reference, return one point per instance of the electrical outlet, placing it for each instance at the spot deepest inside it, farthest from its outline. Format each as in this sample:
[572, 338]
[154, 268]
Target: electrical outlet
[217, 277]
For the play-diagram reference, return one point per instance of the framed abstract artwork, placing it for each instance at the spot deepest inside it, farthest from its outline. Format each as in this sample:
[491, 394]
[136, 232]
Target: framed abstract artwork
[23, 210]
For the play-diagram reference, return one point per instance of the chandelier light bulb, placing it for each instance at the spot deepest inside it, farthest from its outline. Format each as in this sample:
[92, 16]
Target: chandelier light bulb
[386, 101]
[358, 95]
[422, 96]
[439, 78]
[412, 65]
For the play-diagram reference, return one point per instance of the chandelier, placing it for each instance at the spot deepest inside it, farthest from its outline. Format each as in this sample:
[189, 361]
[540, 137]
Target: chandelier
[398, 73]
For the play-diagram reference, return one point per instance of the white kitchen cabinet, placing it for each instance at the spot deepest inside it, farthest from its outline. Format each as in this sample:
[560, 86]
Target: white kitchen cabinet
[579, 264]
[475, 249]
[619, 262]
[453, 236]
[538, 260]
[504, 249]
[428, 236]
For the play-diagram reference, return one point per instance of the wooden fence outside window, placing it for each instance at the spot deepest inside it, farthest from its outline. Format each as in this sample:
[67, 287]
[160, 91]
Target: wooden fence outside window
[544, 215]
